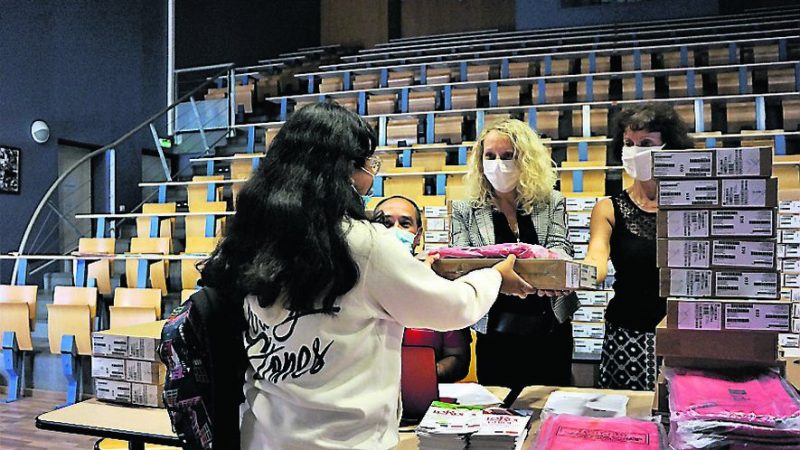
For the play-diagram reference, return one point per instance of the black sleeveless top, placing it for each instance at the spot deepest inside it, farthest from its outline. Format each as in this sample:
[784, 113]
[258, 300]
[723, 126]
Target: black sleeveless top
[636, 304]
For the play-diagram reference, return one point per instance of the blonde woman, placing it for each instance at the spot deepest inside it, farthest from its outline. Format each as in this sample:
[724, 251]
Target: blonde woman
[511, 199]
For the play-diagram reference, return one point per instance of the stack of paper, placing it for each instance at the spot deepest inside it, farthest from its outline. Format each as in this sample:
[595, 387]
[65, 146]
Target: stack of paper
[501, 432]
[585, 404]
[447, 426]
[468, 394]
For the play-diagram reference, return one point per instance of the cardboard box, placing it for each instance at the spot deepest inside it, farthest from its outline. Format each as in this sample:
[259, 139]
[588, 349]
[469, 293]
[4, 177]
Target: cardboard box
[587, 346]
[540, 273]
[723, 347]
[789, 340]
[129, 393]
[790, 280]
[792, 294]
[579, 251]
[720, 314]
[705, 223]
[719, 162]
[789, 237]
[593, 330]
[439, 237]
[718, 283]
[789, 251]
[590, 314]
[110, 368]
[718, 193]
[717, 253]
[437, 224]
[593, 298]
[146, 372]
[578, 235]
[790, 265]
[579, 219]
[580, 203]
[789, 221]
[432, 212]
[133, 342]
[788, 206]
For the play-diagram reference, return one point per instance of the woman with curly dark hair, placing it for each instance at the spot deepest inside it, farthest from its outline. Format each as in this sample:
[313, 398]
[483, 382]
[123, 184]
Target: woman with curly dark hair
[624, 228]
[327, 294]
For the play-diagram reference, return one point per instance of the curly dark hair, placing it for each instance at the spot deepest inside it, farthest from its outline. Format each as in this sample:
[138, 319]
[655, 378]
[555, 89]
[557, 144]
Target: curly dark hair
[288, 233]
[651, 116]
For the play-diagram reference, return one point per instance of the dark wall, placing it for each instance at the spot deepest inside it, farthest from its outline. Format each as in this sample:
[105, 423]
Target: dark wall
[91, 69]
[241, 31]
[532, 14]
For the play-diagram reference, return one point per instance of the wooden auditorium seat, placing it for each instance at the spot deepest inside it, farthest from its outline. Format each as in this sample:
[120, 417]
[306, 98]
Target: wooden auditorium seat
[101, 270]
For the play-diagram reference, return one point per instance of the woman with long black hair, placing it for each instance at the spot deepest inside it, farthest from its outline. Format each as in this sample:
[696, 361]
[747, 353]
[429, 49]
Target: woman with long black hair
[327, 294]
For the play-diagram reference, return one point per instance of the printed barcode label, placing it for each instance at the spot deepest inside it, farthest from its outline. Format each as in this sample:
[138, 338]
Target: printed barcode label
[789, 206]
[791, 280]
[579, 219]
[688, 193]
[789, 340]
[592, 298]
[692, 224]
[578, 235]
[752, 316]
[790, 265]
[747, 284]
[688, 253]
[699, 316]
[742, 223]
[573, 280]
[789, 251]
[744, 193]
[738, 162]
[690, 283]
[580, 203]
[744, 253]
[790, 236]
[789, 221]
[681, 164]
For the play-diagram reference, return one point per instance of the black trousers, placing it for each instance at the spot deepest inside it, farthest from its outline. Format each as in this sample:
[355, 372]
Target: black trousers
[517, 361]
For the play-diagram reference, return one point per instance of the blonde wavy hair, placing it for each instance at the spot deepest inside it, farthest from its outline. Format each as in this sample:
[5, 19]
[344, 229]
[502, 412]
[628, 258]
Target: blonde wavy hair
[537, 175]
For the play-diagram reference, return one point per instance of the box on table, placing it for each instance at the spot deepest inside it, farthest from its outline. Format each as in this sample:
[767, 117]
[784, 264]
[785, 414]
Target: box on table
[133, 342]
[590, 346]
[789, 237]
[717, 162]
[578, 235]
[718, 283]
[723, 314]
[148, 372]
[580, 250]
[789, 265]
[437, 224]
[110, 368]
[129, 393]
[790, 280]
[789, 221]
[716, 348]
[706, 223]
[440, 212]
[790, 251]
[717, 253]
[579, 219]
[792, 294]
[590, 314]
[580, 203]
[593, 330]
[593, 298]
[539, 273]
[437, 237]
[718, 193]
[789, 340]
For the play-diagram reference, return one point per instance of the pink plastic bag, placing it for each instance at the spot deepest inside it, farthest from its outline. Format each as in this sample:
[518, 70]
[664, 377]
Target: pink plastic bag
[568, 432]
[520, 250]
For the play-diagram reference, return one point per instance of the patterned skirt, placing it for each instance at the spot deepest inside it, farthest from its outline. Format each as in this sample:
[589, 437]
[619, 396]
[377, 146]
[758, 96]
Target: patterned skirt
[628, 360]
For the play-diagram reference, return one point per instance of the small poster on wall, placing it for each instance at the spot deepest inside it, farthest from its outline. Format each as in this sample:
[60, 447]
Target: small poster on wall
[9, 170]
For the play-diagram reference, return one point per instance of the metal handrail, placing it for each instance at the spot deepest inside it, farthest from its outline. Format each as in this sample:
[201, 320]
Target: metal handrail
[89, 156]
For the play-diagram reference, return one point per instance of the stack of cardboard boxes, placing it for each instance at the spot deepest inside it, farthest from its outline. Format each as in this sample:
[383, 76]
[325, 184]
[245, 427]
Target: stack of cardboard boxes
[789, 263]
[436, 224]
[588, 323]
[717, 254]
[125, 366]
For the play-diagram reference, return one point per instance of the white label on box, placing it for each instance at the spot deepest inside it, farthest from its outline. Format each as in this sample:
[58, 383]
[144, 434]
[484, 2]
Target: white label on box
[744, 193]
[790, 265]
[688, 193]
[682, 253]
[699, 316]
[588, 330]
[681, 164]
[109, 345]
[690, 283]
[789, 221]
[143, 371]
[589, 314]
[754, 316]
[742, 223]
[142, 348]
[789, 251]
[747, 284]
[573, 274]
[588, 346]
[789, 340]
[145, 394]
[690, 224]
[580, 203]
[744, 253]
[592, 298]
[437, 236]
[789, 206]
[789, 237]
[579, 219]
[791, 280]
[436, 211]
[580, 251]
[118, 391]
[436, 224]
[111, 368]
[744, 162]
[578, 235]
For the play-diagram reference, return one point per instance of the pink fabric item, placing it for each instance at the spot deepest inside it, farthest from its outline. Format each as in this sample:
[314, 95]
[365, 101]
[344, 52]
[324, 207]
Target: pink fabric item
[520, 250]
[568, 432]
[764, 400]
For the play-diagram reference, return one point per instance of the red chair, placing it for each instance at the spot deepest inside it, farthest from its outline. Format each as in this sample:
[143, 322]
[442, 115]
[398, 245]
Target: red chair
[418, 384]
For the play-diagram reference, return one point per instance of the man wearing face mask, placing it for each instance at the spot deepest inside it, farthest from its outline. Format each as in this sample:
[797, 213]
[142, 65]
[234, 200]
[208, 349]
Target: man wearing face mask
[624, 228]
[403, 217]
[510, 183]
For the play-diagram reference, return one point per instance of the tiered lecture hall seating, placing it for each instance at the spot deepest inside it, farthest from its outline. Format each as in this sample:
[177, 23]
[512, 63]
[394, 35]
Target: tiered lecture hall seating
[734, 79]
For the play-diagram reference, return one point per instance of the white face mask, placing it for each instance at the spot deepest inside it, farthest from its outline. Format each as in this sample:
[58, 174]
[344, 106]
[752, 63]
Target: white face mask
[637, 161]
[503, 175]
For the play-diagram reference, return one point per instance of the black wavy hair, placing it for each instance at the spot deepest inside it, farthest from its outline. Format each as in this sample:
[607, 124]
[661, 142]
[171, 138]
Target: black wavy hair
[287, 236]
[651, 116]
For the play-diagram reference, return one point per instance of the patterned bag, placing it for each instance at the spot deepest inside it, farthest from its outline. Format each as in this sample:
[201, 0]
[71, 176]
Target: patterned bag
[201, 345]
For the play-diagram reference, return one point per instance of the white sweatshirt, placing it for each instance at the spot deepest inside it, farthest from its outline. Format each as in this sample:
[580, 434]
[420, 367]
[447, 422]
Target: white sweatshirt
[333, 382]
